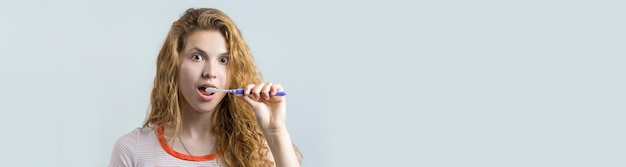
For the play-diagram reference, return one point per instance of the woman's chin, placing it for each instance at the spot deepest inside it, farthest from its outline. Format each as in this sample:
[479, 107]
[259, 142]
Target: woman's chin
[205, 109]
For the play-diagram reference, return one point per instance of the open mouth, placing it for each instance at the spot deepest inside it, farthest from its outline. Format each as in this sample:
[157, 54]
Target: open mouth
[202, 89]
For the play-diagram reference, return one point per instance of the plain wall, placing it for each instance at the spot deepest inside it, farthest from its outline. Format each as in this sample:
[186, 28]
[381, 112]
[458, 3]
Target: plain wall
[370, 83]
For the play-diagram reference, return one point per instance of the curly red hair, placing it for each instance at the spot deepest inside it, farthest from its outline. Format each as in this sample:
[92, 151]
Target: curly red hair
[240, 141]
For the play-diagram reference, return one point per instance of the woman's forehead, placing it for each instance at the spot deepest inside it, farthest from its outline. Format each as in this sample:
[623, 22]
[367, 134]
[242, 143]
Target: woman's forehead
[209, 42]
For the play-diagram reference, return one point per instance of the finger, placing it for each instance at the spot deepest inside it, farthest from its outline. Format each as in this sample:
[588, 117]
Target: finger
[266, 90]
[246, 95]
[276, 88]
[248, 89]
[256, 91]
[249, 100]
[279, 87]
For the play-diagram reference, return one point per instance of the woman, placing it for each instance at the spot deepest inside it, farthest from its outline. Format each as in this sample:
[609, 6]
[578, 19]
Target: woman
[188, 126]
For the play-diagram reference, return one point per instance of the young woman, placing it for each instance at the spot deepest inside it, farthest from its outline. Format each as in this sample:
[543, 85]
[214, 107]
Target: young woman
[188, 126]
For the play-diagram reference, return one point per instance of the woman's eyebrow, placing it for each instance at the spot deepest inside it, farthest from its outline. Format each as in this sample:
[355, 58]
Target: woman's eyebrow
[199, 50]
[205, 53]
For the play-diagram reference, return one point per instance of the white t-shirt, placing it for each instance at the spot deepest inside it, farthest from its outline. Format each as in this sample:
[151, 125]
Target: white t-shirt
[145, 147]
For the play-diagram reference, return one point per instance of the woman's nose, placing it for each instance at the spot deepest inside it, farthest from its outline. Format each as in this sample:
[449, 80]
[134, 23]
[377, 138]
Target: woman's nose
[209, 75]
[209, 70]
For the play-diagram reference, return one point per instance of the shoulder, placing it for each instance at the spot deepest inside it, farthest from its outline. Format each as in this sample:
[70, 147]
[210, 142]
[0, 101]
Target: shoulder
[131, 138]
[125, 147]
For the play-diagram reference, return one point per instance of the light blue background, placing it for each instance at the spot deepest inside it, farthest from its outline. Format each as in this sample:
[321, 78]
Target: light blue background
[378, 83]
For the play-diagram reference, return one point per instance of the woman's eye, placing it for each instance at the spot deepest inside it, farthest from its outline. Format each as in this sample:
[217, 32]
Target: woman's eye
[223, 59]
[197, 57]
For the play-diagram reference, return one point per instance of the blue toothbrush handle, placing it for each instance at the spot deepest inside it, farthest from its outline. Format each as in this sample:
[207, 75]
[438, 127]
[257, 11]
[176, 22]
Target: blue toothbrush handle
[240, 91]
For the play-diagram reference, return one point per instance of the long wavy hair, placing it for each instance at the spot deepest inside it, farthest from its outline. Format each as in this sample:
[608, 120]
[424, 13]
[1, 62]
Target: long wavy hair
[240, 141]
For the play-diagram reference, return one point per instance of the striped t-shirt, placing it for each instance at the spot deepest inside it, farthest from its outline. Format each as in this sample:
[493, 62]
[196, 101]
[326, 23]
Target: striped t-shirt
[145, 147]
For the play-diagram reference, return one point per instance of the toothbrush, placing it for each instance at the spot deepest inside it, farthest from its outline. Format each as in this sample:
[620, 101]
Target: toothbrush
[237, 91]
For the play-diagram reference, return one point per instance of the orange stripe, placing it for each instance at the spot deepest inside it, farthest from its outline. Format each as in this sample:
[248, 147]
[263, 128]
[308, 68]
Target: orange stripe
[182, 156]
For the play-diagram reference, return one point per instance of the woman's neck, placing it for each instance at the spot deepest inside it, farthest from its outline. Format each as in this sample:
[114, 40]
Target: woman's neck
[195, 136]
[196, 125]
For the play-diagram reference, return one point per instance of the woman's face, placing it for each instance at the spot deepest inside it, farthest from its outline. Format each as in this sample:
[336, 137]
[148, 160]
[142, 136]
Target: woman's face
[203, 64]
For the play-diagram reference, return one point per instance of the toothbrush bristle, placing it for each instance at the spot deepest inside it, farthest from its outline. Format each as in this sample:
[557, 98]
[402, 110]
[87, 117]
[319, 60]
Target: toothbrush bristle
[210, 90]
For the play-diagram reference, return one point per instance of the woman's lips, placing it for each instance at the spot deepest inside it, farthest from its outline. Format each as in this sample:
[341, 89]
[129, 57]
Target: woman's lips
[206, 96]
